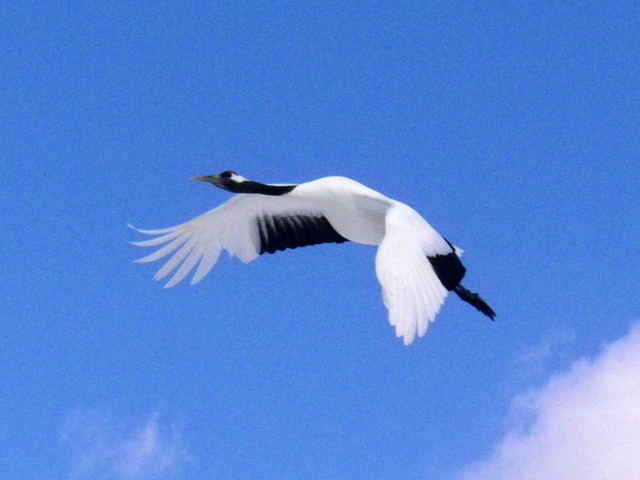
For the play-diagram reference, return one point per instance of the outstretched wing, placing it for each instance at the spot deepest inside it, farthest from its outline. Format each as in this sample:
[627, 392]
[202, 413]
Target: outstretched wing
[406, 265]
[245, 226]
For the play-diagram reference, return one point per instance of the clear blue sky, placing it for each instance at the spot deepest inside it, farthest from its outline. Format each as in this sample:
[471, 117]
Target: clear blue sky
[513, 129]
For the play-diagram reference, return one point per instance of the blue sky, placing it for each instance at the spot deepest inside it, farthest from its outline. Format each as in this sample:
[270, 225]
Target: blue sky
[513, 129]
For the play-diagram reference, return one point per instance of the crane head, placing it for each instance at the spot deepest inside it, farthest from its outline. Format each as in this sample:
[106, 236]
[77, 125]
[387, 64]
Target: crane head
[227, 180]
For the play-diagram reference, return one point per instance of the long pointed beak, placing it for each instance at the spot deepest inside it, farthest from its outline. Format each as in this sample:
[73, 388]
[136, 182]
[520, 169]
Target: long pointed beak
[215, 179]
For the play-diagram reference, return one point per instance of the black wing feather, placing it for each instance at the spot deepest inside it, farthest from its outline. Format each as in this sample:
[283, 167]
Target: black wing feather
[448, 268]
[279, 232]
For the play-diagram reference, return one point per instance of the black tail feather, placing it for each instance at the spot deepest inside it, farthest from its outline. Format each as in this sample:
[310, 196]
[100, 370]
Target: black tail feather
[475, 300]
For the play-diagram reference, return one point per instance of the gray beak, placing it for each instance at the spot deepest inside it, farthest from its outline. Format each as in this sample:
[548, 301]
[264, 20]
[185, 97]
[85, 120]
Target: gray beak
[215, 179]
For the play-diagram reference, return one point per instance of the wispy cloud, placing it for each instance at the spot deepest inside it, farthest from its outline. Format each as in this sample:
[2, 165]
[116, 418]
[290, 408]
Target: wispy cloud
[552, 352]
[583, 424]
[102, 451]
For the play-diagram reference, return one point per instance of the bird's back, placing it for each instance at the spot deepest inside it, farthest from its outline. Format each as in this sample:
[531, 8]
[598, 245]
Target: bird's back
[356, 212]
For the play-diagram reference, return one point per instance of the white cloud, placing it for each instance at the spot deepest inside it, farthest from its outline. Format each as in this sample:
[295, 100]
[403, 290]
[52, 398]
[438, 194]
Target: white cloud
[582, 425]
[101, 451]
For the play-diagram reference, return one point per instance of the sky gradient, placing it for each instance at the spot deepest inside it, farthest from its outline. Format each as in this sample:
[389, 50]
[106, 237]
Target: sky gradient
[513, 129]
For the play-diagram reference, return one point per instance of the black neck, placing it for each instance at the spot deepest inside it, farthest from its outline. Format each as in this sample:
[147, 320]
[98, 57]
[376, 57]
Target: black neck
[249, 186]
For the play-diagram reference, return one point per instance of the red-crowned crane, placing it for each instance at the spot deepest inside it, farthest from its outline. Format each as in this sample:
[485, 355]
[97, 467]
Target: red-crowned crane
[415, 265]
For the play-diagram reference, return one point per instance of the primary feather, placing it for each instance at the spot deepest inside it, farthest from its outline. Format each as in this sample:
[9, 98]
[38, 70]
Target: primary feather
[410, 288]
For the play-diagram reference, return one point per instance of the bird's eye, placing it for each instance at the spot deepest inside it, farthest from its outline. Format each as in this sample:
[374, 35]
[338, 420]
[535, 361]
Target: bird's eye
[227, 174]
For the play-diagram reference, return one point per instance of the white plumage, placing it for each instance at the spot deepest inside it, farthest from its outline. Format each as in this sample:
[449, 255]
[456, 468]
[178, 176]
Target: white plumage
[332, 209]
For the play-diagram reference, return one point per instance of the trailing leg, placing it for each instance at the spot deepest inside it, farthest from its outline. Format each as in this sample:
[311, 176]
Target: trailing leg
[475, 300]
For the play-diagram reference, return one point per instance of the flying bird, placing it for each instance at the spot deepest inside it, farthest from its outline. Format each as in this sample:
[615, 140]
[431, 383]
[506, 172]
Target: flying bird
[415, 265]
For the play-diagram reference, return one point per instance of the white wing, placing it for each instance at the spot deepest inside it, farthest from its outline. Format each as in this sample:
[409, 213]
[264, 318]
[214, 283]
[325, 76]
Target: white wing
[410, 287]
[237, 226]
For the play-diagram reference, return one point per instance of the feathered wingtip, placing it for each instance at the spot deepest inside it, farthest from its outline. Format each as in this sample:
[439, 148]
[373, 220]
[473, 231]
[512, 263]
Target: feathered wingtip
[187, 250]
[163, 236]
[153, 232]
[475, 300]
